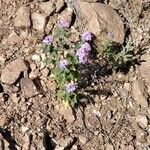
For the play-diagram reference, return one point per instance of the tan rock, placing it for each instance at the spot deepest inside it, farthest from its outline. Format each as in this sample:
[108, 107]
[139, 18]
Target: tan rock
[36, 57]
[67, 15]
[15, 98]
[22, 19]
[3, 120]
[14, 38]
[142, 120]
[59, 148]
[13, 70]
[24, 129]
[33, 66]
[83, 139]
[28, 87]
[139, 93]
[64, 142]
[59, 5]
[131, 147]
[109, 147]
[47, 7]
[102, 20]
[45, 72]
[140, 136]
[148, 138]
[145, 70]
[39, 21]
[67, 114]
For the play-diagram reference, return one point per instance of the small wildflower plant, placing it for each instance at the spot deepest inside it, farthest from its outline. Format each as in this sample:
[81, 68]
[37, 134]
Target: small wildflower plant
[118, 57]
[66, 58]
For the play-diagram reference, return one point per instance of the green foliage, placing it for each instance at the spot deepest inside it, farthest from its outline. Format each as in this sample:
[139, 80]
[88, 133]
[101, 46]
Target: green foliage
[62, 49]
[118, 57]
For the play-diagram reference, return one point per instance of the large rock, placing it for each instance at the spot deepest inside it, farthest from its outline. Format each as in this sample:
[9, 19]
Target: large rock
[39, 21]
[12, 71]
[22, 19]
[102, 20]
[47, 7]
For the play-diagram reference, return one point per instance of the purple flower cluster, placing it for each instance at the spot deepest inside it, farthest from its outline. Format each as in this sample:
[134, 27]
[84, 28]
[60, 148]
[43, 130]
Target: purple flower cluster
[48, 40]
[70, 87]
[83, 53]
[63, 64]
[64, 23]
[86, 36]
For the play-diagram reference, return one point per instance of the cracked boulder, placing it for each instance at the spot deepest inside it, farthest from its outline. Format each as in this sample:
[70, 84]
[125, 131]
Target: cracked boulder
[102, 20]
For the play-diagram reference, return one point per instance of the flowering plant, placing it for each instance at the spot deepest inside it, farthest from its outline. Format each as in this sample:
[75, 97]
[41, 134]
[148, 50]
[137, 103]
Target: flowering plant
[66, 57]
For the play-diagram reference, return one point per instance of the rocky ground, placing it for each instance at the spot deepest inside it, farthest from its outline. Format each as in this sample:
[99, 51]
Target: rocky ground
[116, 114]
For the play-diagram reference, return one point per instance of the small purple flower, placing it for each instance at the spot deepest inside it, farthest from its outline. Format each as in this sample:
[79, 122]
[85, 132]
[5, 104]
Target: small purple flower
[81, 52]
[87, 36]
[86, 46]
[82, 55]
[64, 23]
[63, 63]
[83, 59]
[70, 87]
[48, 40]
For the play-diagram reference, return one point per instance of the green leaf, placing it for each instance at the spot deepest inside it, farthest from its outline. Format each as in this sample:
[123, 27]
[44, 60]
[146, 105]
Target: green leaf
[57, 71]
[61, 94]
[73, 99]
[72, 59]
[78, 45]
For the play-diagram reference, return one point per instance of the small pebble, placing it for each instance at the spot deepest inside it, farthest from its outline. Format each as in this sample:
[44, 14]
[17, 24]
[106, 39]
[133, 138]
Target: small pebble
[142, 121]
[83, 139]
[43, 56]
[32, 75]
[42, 65]
[33, 66]
[24, 129]
[36, 57]
[97, 113]
[96, 133]
[127, 86]
[45, 72]
[14, 98]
